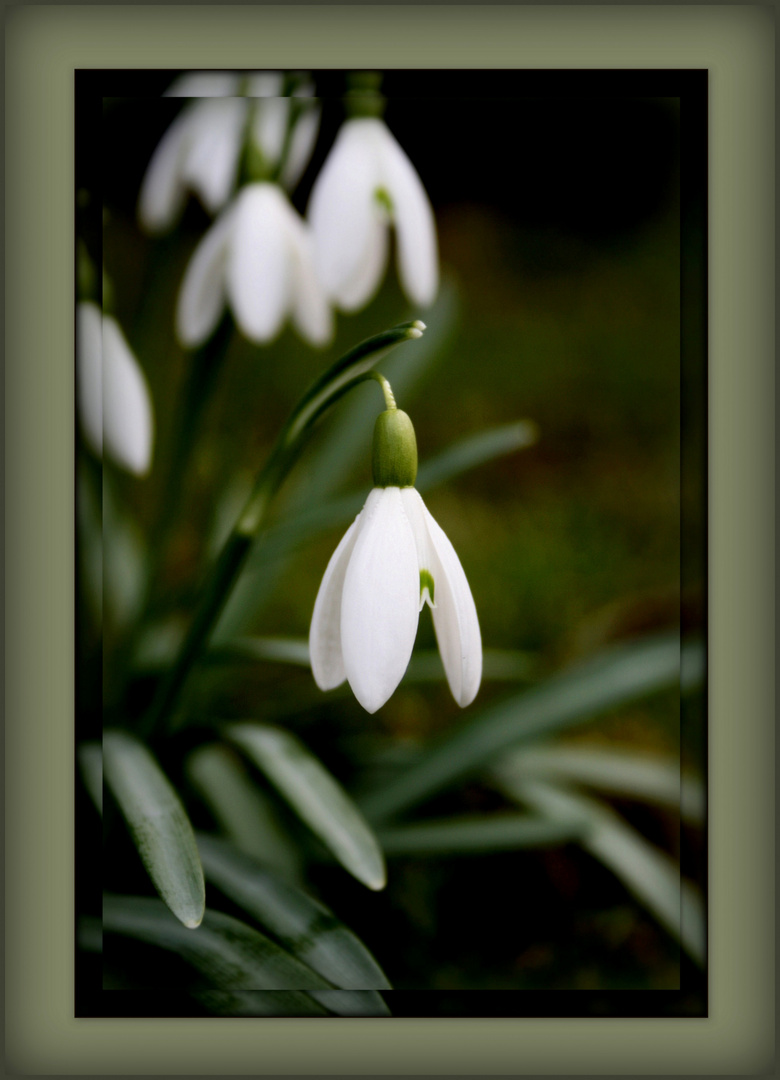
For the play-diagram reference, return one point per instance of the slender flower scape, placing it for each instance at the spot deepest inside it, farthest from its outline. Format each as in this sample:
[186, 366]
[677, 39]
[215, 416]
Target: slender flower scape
[393, 559]
[113, 397]
[257, 257]
[366, 183]
[201, 150]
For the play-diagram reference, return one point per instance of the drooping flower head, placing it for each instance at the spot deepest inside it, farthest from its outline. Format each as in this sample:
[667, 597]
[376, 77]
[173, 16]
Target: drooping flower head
[366, 184]
[201, 150]
[113, 397]
[257, 258]
[393, 559]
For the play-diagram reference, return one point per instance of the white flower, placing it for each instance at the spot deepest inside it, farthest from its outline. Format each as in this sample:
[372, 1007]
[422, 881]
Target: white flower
[201, 149]
[366, 182]
[257, 257]
[392, 559]
[113, 396]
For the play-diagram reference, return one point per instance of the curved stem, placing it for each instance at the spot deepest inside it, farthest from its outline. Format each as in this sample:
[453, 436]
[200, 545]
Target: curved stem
[347, 372]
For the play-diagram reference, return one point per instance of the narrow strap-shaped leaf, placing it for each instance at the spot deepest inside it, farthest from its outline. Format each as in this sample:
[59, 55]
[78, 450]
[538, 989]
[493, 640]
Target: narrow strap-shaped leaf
[158, 824]
[259, 1003]
[650, 777]
[316, 797]
[243, 811]
[622, 674]
[306, 928]
[478, 834]
[476, 450]
[230, 954]
[648, 873]
[352, 1002]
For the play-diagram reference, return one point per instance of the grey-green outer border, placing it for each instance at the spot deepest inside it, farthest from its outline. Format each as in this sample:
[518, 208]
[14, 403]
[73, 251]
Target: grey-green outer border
[43, 46]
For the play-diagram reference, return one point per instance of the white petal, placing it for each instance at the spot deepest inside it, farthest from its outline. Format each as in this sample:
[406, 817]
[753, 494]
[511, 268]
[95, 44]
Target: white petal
[264, 84]
[89, 372]
[454, 618]
[127, 408]
[355, 292]
[416, 512]
[211, 164]
[418, 260]
[161, 198]
[310, 308]
[342, 211]
[379, 605]
[327, 664]
[301, 147]
[269, 126]
[259, 271]
[201, 297]
[204, 84]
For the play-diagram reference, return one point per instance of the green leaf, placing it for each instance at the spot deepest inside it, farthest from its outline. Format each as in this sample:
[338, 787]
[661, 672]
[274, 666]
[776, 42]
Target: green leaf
[306, 928]
[620, 675]
[352, 1002]
[90, 758]
[476, 450]
[158, 825]
[230, 954]
[476, 834]
[242, 810]
[259, 1003]
[649, 874]
[315, 796]
[650, 777]
[507, 665]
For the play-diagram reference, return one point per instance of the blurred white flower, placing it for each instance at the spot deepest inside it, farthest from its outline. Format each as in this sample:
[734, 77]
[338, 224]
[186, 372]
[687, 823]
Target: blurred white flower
[366, 183]
[113, 396]
[393, 559]
[201, 150]
[257, 258]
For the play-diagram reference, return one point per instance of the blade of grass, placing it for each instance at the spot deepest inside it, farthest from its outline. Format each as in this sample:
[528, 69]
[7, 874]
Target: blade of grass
[622, 674]
[317, 798]
[306, 928]
[158, 824]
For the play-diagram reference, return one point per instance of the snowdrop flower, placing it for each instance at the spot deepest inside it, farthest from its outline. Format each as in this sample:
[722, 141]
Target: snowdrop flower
[393, 559]
[201, 150]
[257, 257]
[113, 396]
[367, 182]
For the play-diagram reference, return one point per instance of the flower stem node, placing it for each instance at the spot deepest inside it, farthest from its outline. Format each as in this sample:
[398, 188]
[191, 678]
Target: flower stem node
[394, 455]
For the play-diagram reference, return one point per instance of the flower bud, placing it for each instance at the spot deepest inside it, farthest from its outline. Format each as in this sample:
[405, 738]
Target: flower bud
[394, 454]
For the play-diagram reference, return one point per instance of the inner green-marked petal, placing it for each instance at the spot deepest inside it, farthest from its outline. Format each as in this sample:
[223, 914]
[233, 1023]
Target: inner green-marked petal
[426, 582]
[382, 196]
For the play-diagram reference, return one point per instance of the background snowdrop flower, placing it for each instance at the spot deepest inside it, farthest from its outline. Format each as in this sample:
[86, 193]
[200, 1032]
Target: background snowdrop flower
[113, 396]
[201, 151]
[257, 257]
[393, 559]
[367, 182]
